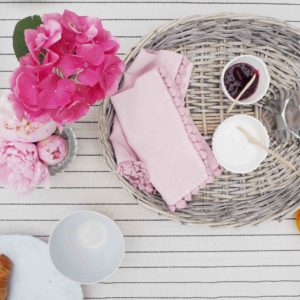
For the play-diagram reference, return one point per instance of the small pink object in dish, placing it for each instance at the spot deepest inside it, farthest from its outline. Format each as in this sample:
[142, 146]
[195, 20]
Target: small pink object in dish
[52, 150]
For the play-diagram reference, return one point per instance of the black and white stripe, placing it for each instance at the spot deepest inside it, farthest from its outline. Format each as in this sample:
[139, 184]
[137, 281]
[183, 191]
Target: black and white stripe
[164, 260]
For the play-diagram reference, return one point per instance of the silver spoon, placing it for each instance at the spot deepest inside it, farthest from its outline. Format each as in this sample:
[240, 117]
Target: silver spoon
[290, 114]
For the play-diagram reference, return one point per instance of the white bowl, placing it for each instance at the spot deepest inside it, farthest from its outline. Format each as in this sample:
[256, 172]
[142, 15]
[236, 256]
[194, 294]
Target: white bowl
[231, 147]
[263, 80]
[87, 247]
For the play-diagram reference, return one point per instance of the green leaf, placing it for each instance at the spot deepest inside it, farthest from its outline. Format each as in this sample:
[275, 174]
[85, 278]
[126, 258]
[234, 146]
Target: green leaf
[19, 38]
[42, 56]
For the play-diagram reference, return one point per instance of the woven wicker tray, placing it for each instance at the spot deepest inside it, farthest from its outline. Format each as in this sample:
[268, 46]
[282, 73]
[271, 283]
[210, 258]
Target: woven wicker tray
[268, 193]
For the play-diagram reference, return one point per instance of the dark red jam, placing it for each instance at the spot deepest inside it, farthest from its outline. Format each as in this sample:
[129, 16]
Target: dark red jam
[236, 78]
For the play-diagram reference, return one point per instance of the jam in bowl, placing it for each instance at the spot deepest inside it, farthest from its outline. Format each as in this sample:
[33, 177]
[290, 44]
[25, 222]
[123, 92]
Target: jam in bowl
[237, 77]
[239, 72]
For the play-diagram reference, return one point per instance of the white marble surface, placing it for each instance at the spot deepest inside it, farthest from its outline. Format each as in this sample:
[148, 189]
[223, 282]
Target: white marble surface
[33, 276]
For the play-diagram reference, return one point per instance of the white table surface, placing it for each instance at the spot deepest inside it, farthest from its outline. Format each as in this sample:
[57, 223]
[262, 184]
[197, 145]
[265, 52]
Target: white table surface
[164, 260]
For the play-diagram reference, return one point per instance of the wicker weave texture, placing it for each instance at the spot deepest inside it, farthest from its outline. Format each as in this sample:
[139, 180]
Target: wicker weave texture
[271, 191]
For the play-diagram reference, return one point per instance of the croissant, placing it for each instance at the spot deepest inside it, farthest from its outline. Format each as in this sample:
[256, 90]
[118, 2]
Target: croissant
[5, 270]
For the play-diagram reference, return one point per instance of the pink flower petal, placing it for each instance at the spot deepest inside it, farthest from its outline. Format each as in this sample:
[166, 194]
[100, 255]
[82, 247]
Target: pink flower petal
[91, 94]
[30, 36]
[91, 54]
[55, 16]
[87, 35]
[88, 77]
[27, 88]
[71, 64]
[56, 93]
[53, 31]
[66, 86]
[110, 46]
[48, 83]
[71, 112]
[84, 28]
[111, 71]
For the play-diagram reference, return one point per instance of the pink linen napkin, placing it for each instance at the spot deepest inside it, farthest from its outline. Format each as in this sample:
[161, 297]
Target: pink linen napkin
[156, 144]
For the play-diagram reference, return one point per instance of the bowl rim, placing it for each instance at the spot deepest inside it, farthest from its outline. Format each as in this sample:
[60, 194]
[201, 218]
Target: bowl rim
[98, 214]
[266, 140]
[266, 83]
[69, 136]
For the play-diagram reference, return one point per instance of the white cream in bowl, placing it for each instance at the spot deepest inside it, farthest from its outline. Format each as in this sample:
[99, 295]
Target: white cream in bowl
[231, 147]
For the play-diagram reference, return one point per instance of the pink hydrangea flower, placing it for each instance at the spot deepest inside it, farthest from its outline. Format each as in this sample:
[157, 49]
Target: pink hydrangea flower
[20, 167]
[71, 64]
[23, 85]
[94, 69]
[41, 100]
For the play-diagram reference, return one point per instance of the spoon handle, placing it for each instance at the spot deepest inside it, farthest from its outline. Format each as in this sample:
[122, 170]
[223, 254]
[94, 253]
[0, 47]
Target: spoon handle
[252, 140]
[241, 93]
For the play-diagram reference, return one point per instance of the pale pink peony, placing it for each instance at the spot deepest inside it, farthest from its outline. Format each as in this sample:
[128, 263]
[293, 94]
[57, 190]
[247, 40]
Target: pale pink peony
[52, 150]
[20, 167]
[13, 129]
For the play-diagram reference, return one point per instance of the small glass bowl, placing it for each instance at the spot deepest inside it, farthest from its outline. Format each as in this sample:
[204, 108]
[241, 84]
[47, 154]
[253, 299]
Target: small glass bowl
[69, 135]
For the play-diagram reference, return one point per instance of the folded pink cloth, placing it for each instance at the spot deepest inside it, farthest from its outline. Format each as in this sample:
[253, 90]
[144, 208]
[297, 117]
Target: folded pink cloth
[156, 144]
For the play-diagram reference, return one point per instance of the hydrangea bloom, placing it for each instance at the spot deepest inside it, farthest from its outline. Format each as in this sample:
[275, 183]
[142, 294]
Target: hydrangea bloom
[71, 64]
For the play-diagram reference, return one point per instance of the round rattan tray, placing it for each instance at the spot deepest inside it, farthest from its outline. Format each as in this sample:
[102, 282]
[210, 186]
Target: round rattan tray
[270, 192]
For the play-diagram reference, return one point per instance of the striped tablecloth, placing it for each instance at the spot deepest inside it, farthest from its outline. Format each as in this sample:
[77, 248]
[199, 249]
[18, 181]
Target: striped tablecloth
[164, 260]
